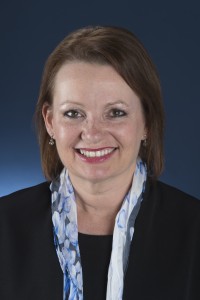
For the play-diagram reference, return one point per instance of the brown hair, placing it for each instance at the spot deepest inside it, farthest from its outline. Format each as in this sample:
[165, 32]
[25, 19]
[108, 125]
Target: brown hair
[120, 49]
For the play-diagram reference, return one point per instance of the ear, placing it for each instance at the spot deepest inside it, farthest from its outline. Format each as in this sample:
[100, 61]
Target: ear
[47, 114]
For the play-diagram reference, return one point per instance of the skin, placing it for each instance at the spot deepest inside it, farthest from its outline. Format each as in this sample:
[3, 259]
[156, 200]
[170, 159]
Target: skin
[94, 110]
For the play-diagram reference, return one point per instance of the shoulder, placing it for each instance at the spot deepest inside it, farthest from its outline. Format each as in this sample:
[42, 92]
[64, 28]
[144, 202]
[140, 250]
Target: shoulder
[165, 191]
[172, 204]
[25, 210]
[26, 197]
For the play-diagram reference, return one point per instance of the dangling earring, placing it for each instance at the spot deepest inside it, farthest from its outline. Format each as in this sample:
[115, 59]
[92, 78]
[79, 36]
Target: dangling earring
[51, 141]
[145, 141]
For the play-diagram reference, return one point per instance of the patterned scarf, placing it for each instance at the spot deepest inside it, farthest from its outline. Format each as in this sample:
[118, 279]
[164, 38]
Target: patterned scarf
[64, 217]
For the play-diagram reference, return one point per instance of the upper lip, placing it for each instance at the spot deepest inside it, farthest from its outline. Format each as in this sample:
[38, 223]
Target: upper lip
[95, 149]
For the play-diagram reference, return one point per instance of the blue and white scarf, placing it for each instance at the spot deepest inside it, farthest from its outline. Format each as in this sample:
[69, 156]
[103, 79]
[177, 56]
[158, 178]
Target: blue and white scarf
[64, 216]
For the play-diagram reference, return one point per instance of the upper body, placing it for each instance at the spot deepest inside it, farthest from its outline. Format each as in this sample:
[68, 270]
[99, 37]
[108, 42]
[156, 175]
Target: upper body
[164, 260]
[100, 127]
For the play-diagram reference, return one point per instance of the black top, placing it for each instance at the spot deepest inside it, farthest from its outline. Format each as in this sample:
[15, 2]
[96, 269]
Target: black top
[164, 260]
[95, 258]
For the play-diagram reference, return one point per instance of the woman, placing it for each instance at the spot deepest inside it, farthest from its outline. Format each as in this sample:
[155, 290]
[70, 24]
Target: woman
[102, 227]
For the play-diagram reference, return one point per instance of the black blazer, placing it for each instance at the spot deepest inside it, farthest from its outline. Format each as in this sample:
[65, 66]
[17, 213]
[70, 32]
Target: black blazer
[164, 261]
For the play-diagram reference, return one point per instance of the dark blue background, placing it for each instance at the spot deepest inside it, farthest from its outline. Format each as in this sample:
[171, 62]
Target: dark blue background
[29, 31]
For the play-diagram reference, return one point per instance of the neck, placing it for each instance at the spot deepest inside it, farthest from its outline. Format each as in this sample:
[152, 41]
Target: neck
[98, 203]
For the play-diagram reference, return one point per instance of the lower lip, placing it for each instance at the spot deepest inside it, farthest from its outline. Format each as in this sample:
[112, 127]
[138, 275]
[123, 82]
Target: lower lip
[95, 160]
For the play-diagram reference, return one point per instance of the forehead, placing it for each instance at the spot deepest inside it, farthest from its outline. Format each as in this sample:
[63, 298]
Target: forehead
[83, 76]
[80, 70]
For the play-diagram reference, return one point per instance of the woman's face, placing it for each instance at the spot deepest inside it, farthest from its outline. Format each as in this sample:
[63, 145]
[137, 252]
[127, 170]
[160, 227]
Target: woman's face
[97, 122]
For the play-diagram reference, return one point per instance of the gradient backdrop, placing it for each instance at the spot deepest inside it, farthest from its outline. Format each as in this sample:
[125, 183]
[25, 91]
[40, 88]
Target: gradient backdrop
[29, 31]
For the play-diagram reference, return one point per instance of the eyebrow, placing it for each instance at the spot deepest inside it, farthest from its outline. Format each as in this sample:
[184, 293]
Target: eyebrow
[71, 102]
[116, 102]
[107, 104]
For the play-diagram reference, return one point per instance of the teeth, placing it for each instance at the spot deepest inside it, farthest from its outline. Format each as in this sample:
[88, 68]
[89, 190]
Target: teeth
[96, 153]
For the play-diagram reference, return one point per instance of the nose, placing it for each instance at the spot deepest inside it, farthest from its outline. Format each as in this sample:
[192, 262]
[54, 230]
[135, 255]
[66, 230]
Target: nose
[92, 131]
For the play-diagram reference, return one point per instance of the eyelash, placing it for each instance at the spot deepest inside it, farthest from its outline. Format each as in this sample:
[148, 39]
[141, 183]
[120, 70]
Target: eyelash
[73, 114]
[113, 113]
[117, 113]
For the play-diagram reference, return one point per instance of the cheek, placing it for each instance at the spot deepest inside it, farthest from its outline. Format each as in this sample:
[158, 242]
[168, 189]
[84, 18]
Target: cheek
[129, 132]
[130, 137]
[60, 133]
[66, 135]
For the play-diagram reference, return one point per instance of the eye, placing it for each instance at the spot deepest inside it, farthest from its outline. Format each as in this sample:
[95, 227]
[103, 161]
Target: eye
[73, 114]
[117, 113]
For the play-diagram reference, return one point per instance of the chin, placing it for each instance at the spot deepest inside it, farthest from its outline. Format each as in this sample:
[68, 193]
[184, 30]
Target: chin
[96, 176]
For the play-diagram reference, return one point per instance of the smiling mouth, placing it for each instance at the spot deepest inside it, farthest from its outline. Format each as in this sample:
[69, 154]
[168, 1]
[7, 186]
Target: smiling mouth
[96, 153]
